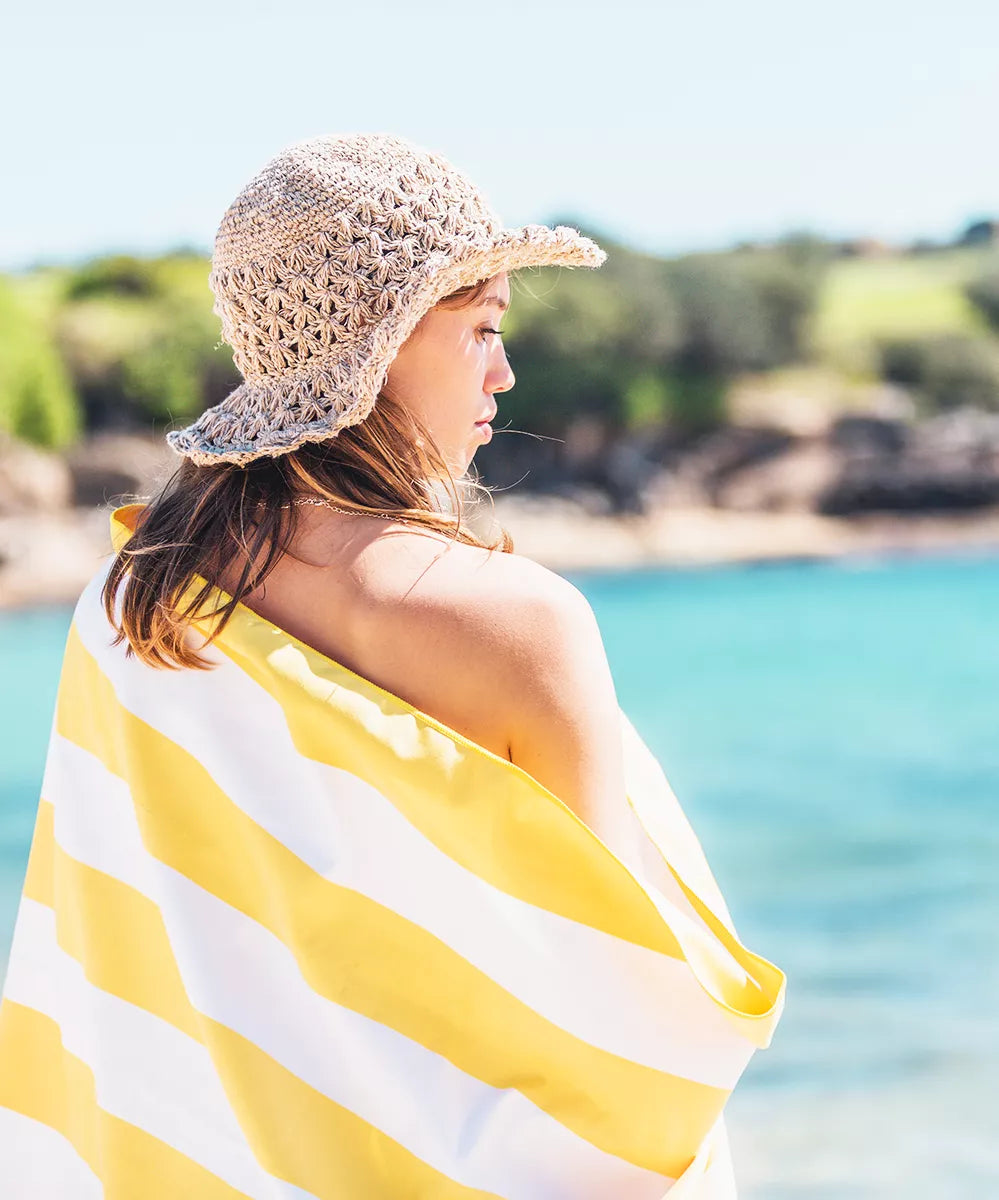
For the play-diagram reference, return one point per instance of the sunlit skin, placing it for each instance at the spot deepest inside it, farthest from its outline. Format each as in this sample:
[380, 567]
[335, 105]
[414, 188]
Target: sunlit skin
[449, 370]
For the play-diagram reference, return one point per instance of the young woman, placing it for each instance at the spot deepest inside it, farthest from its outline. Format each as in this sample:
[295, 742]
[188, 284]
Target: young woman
[491, 643]
[349, 876]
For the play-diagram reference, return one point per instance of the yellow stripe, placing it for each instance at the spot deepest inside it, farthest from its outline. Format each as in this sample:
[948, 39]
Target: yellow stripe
[355, 952]
[42, 1080]
[341, 1156]
[760, 998]
[38, 879]
[294, 1131]
[756, 999]
[115, 932]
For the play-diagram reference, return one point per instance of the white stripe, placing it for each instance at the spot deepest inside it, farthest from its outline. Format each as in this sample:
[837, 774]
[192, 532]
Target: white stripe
[710, 1175]
[719, 1179]
[243, 977]
[606, 991]
[145, 1071]
[38, 1163]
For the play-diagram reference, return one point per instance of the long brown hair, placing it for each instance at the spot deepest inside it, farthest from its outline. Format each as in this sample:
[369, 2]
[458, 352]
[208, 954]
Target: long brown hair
[198, 523]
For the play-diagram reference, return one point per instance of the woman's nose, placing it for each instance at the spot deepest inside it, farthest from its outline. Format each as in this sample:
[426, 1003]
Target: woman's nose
[503, 377]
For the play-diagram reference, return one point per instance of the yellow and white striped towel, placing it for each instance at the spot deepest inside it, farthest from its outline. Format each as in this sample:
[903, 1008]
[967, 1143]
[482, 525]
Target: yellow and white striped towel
[284, 935]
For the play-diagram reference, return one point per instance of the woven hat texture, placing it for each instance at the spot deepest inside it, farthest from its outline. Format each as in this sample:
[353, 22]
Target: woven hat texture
[323, 266]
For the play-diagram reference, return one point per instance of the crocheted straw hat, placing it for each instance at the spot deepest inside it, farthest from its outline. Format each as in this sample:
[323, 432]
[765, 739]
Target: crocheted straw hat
[324, 264]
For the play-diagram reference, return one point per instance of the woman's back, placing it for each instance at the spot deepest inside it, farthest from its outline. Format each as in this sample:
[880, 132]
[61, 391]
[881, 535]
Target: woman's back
[397, 606]
[495, 646]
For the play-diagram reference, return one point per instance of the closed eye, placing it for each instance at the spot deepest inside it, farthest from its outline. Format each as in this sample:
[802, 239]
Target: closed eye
[497, 332]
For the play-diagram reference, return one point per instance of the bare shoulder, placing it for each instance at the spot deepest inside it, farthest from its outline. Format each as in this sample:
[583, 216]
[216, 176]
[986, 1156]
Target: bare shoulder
[503, 638]
[553, 668]
[496, 646]
[513, 609]
[544, 625]
[537, 645]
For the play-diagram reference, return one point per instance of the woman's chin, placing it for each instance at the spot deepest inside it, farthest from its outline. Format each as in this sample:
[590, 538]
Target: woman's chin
[460, 462]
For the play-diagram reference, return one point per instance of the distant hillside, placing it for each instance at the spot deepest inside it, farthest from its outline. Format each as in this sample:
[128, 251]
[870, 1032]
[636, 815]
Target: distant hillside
[897, 295]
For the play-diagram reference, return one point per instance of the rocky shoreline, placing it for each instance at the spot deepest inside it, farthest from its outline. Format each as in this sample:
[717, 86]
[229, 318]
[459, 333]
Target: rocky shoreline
[864, 486]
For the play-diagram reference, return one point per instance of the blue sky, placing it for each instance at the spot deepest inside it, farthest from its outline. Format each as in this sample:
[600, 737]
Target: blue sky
[670, 126]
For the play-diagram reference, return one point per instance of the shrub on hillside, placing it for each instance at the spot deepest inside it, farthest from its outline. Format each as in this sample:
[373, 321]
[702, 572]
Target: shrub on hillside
[984, 295]
[945, 370]
[115, 275]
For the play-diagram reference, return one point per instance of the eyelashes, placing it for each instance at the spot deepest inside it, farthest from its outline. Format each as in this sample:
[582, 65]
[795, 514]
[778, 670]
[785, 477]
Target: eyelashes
[497, 332]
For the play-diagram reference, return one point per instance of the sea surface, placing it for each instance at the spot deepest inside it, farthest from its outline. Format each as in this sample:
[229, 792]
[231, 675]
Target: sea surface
[832, 731]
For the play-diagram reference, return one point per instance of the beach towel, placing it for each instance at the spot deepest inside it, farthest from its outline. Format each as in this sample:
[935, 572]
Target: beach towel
[282, 934]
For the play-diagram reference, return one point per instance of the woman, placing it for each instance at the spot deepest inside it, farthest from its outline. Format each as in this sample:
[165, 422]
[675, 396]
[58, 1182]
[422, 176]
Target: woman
[349, 876]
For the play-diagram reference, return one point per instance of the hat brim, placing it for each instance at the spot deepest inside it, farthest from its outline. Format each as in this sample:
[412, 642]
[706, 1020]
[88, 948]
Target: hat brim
[269, 416]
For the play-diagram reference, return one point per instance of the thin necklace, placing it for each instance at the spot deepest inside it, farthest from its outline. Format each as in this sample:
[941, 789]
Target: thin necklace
[324, 504]
[352, 512]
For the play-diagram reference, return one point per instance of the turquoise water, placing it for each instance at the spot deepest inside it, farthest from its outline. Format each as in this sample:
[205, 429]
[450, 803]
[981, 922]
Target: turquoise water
[832, 730]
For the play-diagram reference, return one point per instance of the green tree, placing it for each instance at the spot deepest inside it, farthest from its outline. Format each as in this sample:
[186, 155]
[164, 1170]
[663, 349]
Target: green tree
[747, 309]
[142, 341]
[577, 339]
[37, 400]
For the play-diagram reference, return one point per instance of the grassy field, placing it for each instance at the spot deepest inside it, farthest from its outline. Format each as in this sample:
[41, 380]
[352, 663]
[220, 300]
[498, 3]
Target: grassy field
[868, 298]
